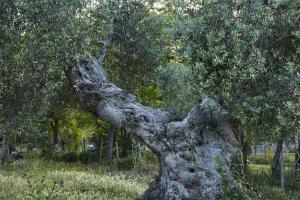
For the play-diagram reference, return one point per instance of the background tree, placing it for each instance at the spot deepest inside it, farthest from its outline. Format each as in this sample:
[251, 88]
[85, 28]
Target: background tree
[245, 53]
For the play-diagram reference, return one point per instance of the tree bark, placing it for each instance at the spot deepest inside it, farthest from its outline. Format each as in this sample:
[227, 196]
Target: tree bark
[281, 171]
[4, 150]
[55, 130]
[191, 152]
[138, 152]
[110, 142]
[276, 157]
[84, 144]
[298, 143]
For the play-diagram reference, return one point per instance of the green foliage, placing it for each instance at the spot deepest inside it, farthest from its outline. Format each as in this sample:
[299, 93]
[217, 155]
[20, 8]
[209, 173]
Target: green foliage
[244, 52]
[236, 188]
[149, 96]
[237, 191]
[39, 39]
[137, 47]
[173, 82]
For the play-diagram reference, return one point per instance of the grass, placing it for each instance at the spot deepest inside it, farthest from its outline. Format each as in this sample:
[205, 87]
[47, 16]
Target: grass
[32, 179]
[266, 185]
[265, 159]
[38, 179]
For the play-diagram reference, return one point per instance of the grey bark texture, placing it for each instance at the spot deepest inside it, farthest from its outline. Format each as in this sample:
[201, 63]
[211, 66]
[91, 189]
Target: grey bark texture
[4, 153]
[281, 171]
[276, 157]
[110, 142]
[191, 152]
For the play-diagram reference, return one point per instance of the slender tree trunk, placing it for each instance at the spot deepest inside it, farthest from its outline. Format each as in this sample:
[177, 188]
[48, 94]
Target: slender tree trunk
[138, 152]
[244, 146]
[63, 144]
[55, 130]
[4, 150]
[101, 149]
[84, 145]
[117, 150]
[192, 152]
[245, 157]
[110, 142]
[12, 145]
[127, 144]
[11, 148]
[281, 171]
[299, 143]
[276, 157]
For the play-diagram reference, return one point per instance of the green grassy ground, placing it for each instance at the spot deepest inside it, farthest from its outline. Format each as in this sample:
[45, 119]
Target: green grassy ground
[44, 179]
[267, 186]
[36, 179]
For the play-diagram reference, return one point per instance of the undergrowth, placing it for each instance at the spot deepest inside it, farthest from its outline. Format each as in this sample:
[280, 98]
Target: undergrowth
[38, 179]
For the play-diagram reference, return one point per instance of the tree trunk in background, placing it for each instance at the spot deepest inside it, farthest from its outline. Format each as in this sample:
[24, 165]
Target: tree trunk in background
[4, 150]
[55, 130]
[281, 171]
[11, 148]
[245, 156]
[63, 144]
[299, 143]
[138, 152]
[101, 149]
[12, 144]
[84, 145]
[276, 157]
[110, 142]
[192, 153]
[244, 146]
[127, 144]
[117, 150]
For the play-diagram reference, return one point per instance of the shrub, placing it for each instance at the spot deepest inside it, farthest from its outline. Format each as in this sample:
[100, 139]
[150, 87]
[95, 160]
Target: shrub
[124, 163]
[88, 157]
[68, 157]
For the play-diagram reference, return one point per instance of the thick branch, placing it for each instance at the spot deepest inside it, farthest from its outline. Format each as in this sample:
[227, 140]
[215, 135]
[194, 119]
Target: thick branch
[111, 103]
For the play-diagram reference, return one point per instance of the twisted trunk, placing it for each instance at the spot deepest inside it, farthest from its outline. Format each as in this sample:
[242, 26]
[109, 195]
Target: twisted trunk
[191, 152]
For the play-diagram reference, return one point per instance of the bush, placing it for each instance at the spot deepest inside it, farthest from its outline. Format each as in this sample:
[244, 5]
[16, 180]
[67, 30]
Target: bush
[68, 157]
[83, 157]
[124, 163]
[238, 191]
[88, 157]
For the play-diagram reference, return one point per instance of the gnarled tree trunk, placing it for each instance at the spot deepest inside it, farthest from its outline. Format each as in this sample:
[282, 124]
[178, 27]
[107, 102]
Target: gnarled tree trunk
[191, 152]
